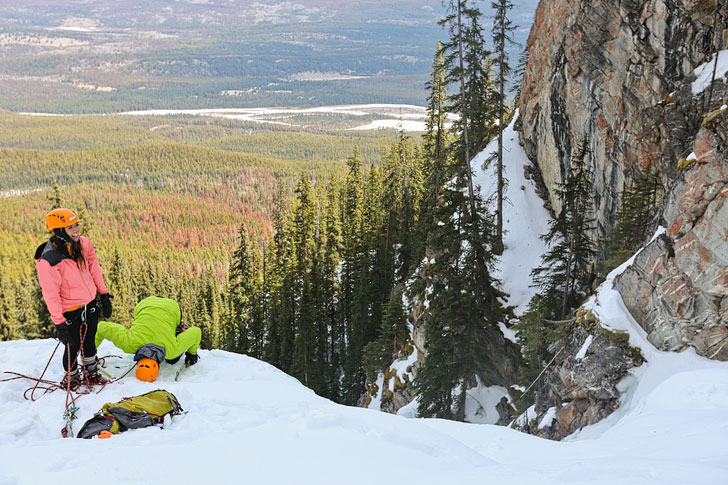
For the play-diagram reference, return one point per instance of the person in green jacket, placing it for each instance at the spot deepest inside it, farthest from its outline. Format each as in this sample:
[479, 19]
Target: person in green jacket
[156, 321]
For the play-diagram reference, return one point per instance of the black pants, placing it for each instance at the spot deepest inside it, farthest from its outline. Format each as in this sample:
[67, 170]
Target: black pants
[89, 313]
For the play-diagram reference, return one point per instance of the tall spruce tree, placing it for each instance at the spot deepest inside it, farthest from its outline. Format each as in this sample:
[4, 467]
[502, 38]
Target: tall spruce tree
[502, 36]
[121, 285]
[436, 166]
[282, 321]
[366, 292]
[634, 221]
[256, 326]
[27, 309]
[330, 291]
[209, 310]
[9, 327]
[462, 65]
[401, 196]
[241, 288]
[353, 274]
[305, 365]
[567, 270]
[435, 136]
[463, 305]
[56, 196]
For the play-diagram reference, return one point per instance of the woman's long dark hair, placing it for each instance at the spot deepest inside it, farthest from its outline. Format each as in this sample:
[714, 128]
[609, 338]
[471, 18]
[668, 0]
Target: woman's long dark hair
[63, 242]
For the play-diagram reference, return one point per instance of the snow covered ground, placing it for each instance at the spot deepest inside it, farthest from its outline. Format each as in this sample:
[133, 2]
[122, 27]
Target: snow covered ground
[247, 422]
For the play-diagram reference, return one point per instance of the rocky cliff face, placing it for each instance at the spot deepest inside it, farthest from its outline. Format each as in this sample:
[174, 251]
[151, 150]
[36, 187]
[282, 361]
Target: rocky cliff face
[620, 75]
[677, 288]
[606, 71]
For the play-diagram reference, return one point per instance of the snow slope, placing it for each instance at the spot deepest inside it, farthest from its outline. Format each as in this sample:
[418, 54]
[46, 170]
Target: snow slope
[249, 423]
[524, 217]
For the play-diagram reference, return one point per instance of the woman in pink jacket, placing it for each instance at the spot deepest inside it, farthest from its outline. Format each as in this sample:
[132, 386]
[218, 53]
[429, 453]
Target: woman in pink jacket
[70, 277]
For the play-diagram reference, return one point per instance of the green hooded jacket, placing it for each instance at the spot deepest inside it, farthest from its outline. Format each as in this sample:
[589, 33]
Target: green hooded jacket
[155, 322]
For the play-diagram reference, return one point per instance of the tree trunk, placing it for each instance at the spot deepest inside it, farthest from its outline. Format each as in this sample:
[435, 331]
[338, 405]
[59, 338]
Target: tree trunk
[471, 192]
[498, 246]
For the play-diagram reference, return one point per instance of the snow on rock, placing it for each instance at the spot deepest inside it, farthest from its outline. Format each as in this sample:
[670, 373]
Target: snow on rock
[582, 351]
[704, 72]
[548, 418]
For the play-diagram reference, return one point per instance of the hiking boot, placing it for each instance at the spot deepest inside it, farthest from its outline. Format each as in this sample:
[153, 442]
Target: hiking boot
[91, 370]
[72, 380]
[96, 379]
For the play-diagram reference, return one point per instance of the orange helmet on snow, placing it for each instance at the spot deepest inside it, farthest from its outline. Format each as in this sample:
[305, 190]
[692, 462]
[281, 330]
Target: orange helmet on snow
[59, 218]
[147, 370]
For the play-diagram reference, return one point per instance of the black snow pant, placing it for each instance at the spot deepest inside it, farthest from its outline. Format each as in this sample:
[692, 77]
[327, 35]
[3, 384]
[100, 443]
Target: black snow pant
[90, 314]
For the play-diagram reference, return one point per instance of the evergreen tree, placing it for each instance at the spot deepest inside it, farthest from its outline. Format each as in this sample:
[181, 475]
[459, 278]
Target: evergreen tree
[271, 283]
[144, 281]
[353, 271]
[56, 196]
[305, 365]
[210, 308]
[394, 332]
[468, 65]
[87, 225]
[256, 313]
[535, 336]
[241, 287]
[463, 306]
[27, 310]
[401, 196]
[435, 136]
[502, 36]
[436, 167]
[455, 69]
[45, 326]
[9, 324]
[282, 321]
[567, 269]
[369, 279]
[634, 221]
[330, 291]
[121, 285]
[480, 98]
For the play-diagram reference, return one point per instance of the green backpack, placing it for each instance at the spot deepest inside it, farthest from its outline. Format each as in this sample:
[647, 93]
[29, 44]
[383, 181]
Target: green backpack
[132, 413]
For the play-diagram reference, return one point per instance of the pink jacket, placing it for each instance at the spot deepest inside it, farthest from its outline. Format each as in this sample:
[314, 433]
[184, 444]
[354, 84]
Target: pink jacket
[64, 284]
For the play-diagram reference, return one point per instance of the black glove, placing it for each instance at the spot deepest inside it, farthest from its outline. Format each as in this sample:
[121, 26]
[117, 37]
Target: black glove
[191, 359]
[63, 333]
[106, 304]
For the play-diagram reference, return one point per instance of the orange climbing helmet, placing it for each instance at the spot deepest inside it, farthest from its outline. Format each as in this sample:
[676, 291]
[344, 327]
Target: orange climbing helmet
[147, 370]
[58, 218]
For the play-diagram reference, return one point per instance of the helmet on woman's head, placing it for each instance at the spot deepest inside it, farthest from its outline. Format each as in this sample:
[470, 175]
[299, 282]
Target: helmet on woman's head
[60, 218]
[147, 370]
